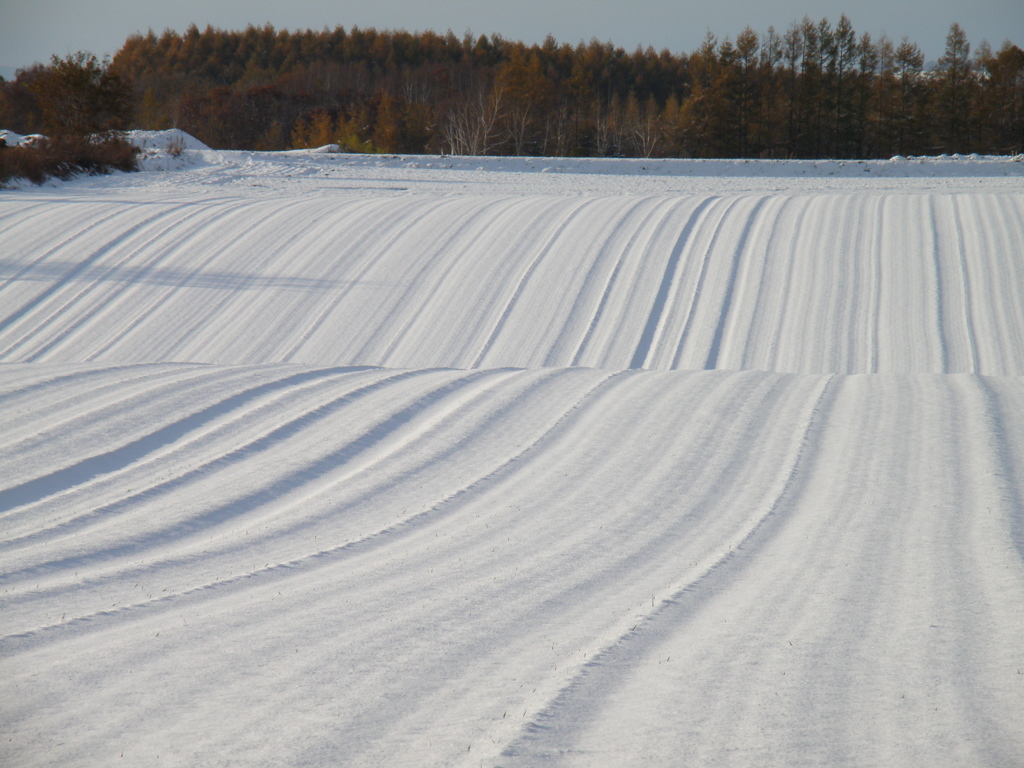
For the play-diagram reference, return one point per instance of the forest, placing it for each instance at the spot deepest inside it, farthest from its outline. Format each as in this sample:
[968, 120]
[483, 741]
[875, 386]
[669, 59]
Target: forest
[816, 90]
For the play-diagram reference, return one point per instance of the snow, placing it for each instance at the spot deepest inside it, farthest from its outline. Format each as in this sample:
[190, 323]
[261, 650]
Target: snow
[322, 459]
[13, 139]
[173, 138]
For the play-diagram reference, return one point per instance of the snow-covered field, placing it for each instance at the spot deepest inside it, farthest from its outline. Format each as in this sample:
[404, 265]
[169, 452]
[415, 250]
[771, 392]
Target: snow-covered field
[311, 459]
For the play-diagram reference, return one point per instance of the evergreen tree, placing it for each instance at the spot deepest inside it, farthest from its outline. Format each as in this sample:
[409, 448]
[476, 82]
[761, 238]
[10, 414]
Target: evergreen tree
[955, 91]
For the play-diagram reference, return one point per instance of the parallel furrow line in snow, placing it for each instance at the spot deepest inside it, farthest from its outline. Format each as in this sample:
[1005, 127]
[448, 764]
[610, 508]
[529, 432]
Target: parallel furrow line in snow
[786, 304]
[193, 382]
[63, 380]
[20, 213]
[55, 314]
[1009, 465]
[582, 296]
[940, 325]
[612, 658]
[966, 283]
[24, 219]
[110, 512]
[131, 453]
[415, 284]
[525, 278]
[698, 291]
[213, 308]
[128, 325]
[875, 310]
[99, 282]
[120, 211]
[13, 643]
[654, 317]
[764, 287]
[82, 265]
[398, 226]
[354, 456]
[139, 386]
[723, 317]
[613, 278]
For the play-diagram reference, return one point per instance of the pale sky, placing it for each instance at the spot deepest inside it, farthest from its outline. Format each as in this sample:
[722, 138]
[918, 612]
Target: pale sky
[32, 30]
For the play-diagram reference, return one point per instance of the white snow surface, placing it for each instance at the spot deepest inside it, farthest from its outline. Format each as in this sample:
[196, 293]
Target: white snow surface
[316, 459]
[13, 139]
[164, 140]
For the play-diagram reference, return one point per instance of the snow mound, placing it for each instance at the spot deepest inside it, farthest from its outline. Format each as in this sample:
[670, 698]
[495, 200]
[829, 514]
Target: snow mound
[16, 139]
[165, 140]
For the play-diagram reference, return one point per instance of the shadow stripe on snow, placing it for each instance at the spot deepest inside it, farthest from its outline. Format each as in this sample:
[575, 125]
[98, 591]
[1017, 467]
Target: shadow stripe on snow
[605, 253]
[518, 291]
[100, 283]
[18, 641]
[119, 458]
[542, 738]
[643, 348]
[723, 317]
[84, 264]
[281, 488]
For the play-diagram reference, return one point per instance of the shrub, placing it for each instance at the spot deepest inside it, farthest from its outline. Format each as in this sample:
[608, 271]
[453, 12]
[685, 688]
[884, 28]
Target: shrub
[66, 156]
[80, 95]
[175, 146]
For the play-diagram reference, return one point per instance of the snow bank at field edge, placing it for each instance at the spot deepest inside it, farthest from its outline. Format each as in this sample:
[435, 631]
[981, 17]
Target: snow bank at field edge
[941, 166]
[898, 166]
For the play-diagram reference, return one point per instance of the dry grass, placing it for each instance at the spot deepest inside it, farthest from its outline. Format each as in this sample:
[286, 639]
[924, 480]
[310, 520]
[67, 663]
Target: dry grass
[66, 156]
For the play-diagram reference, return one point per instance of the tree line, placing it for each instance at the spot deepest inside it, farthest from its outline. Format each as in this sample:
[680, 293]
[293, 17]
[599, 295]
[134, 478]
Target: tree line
[80, 103]
[815, 90]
